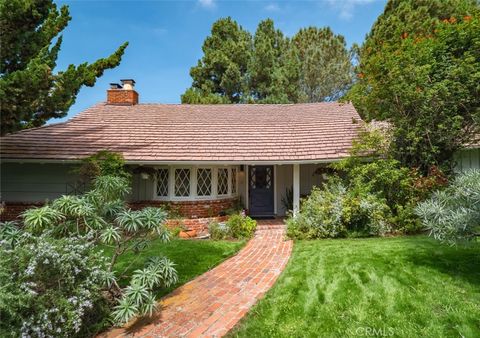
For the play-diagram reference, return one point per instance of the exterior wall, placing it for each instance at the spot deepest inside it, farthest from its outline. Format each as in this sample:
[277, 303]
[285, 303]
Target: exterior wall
[284, 181]
[467, 159]
[35, 182]
[191, 209]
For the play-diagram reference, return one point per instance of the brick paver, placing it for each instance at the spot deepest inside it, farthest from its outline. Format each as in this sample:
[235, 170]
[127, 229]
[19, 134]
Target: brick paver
[211, 304]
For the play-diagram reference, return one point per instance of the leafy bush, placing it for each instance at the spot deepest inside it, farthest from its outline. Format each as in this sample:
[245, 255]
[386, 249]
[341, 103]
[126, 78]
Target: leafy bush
[238, 226]
[218, 231]
[453, 214]
[103, 163]
[50, 287]
[241, 226]
[97, 217]
[336, 211]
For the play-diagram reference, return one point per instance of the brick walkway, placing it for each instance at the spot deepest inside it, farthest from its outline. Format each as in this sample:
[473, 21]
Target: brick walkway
[211, 304]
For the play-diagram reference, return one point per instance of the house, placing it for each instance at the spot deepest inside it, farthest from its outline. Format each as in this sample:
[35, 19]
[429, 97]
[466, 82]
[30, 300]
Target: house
[201, 159]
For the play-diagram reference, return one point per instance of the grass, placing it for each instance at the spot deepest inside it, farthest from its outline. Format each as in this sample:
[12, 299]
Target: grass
[395, 287]
[192, 257]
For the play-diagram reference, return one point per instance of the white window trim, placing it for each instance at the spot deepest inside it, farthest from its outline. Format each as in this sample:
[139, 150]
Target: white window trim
[212, 192]
[193, 183]
[162, 198]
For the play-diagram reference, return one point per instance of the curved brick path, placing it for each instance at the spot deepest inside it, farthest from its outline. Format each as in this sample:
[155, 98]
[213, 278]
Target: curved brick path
[211, 304]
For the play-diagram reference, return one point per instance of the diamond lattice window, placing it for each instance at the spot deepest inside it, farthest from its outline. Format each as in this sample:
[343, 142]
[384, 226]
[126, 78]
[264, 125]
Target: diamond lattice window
[204, 182]
[222, 181]
[234, 180]
[162, 182]
[182, 182]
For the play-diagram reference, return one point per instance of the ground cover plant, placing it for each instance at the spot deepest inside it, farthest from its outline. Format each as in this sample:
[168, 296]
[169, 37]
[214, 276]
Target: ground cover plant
[400, 287]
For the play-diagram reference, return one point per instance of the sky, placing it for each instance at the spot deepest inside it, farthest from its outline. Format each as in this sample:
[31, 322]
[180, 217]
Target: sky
[165, 37]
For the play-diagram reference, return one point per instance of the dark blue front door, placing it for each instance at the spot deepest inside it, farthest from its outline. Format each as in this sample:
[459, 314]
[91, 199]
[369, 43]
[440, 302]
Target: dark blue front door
[260, 189]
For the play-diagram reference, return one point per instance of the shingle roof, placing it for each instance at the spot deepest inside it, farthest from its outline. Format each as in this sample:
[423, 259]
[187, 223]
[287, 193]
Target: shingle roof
[176, 132]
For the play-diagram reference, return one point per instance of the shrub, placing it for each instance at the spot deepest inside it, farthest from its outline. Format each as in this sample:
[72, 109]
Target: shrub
[50, 287]
[100, 217]
[219, 231]
[238, 226]
[241, 226]
[103, 163]
[336, 211]
[453, 214]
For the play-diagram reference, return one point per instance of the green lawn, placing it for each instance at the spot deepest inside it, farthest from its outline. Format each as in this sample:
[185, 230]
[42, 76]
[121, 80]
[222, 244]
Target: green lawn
[394, 287]
[192, 257]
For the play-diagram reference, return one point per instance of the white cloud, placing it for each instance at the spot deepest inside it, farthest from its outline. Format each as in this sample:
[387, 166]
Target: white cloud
[346, 8]
[272, 7]
[207, 3]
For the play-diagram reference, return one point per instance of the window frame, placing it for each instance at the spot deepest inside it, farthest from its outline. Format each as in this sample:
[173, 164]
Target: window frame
[193, 196]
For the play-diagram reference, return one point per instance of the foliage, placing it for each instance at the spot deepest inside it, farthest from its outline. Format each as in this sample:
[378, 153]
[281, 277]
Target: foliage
[138, 297]
[453, 214]
[335, 211]
[269, 67]
[371, 168]
[50, 287]
[222, 70]
[420, 68]
[100, 217]
[326, 68]
[218, 231]
[241, 226]
[390, 285]
[103, 163]
[287, 199]
[30, 92]
[238, 226]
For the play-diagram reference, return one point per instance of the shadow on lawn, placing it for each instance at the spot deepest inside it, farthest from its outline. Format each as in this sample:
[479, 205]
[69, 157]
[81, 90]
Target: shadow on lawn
[458, 262]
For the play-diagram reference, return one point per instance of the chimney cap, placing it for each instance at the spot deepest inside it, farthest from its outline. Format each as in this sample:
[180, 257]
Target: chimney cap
[115, 86]
[129, 81]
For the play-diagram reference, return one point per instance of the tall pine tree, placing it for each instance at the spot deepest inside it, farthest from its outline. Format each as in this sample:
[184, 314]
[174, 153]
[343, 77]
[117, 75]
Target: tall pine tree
[326, 69]
[220, 76]
[30, 92]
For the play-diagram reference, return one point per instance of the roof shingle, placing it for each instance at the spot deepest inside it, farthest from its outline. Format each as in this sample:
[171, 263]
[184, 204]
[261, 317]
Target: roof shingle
[177, 132]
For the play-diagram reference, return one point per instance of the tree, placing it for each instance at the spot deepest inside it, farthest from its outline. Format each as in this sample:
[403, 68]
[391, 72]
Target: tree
[326, 68]
[419, 69]
[220, 76]
[273, 68]
[270, 68]
[30, 92]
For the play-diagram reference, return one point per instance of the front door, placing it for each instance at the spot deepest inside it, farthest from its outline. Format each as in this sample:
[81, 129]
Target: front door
[260, 189]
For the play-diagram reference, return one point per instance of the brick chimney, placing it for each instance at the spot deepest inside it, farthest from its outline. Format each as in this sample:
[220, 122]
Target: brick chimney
[122, 95]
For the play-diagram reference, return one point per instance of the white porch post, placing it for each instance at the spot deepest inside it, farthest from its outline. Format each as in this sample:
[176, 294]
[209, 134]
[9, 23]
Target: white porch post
[296, 188]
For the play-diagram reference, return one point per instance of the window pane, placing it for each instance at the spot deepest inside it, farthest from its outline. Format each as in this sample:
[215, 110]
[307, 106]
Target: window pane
[223, 181]
[234, 180]
[204, 182]
[162, 182]
[182, 182]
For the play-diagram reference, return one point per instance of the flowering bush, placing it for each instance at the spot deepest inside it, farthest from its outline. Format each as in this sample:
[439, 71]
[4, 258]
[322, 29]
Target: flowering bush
[76, 224]
[50, 287]
[453, 214]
